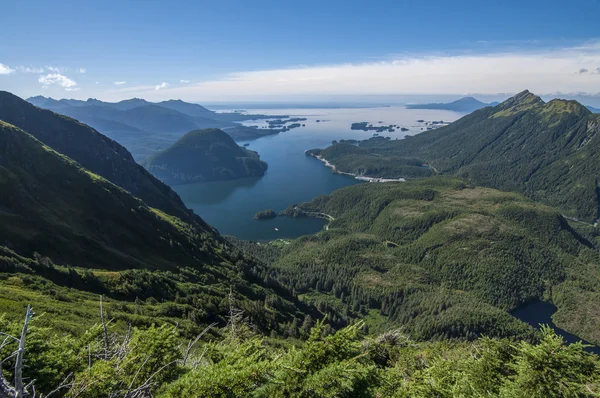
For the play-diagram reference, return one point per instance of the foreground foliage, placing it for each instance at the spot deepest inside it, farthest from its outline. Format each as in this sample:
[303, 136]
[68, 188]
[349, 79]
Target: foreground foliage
[156, 362]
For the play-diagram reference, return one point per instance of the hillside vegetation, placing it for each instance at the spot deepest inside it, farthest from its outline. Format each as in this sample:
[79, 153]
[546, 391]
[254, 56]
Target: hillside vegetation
[68, 234]
[443, 259]
[204, 155]
[157, 362]
[547, 151]
[407, 292]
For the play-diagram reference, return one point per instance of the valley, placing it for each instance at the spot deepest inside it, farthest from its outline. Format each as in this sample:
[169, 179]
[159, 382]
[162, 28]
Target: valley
[446, 259]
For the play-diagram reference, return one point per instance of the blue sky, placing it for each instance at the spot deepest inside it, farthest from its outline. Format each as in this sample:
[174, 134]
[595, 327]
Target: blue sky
[215, 50]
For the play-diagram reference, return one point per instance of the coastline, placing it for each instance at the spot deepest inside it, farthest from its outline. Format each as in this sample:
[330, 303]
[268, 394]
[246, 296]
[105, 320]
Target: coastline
[356, 176]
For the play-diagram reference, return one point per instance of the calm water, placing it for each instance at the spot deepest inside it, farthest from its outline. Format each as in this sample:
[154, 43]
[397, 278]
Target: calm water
[540, 313]
[292, 176]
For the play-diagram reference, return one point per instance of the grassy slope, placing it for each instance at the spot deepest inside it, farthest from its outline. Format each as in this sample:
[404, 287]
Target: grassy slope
[444, 259]
[115, 244]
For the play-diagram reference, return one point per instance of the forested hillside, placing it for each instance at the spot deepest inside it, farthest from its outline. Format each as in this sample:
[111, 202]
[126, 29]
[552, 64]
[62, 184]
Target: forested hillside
[68, 234]
[95, 152]
[407, 291]
[204, 155]
[547, 151]
[443, 259]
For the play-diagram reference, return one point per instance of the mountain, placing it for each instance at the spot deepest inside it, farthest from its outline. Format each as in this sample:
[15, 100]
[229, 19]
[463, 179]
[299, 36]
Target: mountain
[68, 234]
[204, 155]
[431, 260]
[442, 258]
[94, 151]
[593, 110]
[144, 127]
[186, 108]
[466, 104]
[547, 151]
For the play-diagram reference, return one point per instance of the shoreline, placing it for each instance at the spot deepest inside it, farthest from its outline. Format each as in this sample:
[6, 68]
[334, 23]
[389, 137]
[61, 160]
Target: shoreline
[356, 176]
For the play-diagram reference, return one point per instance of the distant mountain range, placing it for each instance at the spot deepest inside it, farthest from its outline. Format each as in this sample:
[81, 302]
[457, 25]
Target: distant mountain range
[466, 104]
[593, 110]
[144, 127]
[204, 155]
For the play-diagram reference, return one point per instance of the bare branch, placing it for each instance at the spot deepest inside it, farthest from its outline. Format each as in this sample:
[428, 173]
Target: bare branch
[64, 384]
[192, 343]
[19, 388]
[136, 375]
[105, 330]
[146, 384]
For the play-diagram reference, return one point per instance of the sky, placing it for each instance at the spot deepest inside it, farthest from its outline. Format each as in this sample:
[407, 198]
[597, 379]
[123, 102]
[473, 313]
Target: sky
[226, 50]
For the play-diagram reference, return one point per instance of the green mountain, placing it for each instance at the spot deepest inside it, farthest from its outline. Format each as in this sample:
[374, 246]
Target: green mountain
[68, 234]
[548, 151]
[442, 259]
[466, 104]
[94, 151]
[431, 259]
[204, 155]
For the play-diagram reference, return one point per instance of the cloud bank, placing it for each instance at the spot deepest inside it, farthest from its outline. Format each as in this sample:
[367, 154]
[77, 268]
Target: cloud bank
[543, 71]
[56, 79]
[5, 70]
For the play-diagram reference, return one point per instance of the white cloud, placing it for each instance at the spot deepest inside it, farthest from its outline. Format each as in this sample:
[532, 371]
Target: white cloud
[183, 81]
[161, 86]
[5, 70]
[58, 80]
[541, 71]
[81, 70]
[54, 69]
[72, 89]
[27, 69]
[120, 83]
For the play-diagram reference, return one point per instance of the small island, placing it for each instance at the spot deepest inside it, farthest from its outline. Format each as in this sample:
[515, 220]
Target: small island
[366, 126]
[265, 214]
[280, 123]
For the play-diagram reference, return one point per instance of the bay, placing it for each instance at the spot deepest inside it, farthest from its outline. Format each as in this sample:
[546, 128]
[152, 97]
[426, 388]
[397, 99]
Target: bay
[293, 177]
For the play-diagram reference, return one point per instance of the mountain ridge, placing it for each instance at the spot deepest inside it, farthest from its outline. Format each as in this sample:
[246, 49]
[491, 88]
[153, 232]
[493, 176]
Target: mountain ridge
[94, 151]
[146, 127]
[523, 144]
[465, 104]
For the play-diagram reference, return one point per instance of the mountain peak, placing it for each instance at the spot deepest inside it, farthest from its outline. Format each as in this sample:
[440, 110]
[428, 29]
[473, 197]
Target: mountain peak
[525, 96]
[520, 102]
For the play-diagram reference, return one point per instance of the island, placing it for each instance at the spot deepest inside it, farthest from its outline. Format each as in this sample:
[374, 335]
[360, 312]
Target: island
[265, 214]
[279, 123]
[465, 105]
[204, 155]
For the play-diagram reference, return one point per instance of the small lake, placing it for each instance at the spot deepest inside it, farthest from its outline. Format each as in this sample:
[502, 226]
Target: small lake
[540, 313]
[293, 177]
